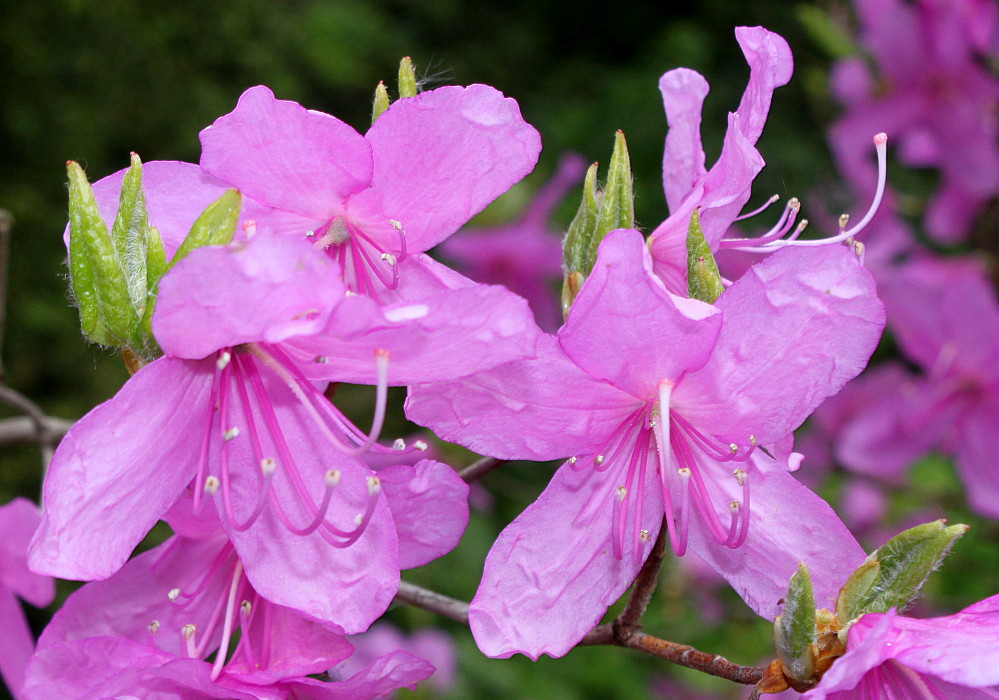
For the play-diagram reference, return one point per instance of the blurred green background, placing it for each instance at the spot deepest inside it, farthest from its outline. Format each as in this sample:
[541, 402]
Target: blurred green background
[92, 81]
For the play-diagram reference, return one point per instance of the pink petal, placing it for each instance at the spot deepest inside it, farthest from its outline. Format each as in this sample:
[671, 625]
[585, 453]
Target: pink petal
[265, 289]
[626, 329]
[120, 468]
[976, 462]
[346, 586]
[771, 65]
[18, 521]
[797, 327]
[455, 332]
[16, 643]
[442, 156]
[429, 503]
[176, 194]
[395, 670]
[286, 156]
[552, 573]
[683, 92]
[788, 524]
[543, 408]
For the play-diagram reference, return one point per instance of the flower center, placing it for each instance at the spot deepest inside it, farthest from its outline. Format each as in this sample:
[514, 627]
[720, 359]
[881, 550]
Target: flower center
[366, 262]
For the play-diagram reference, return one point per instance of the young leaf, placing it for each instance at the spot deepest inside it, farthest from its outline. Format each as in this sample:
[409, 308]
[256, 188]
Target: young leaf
[380, 103]
[129, 233]
[794, 628]
[216, 225]
[617, 209]
[904, 563]
[407, 78]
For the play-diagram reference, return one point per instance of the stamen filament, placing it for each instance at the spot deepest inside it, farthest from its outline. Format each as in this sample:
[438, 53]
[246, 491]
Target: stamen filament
[223, 651]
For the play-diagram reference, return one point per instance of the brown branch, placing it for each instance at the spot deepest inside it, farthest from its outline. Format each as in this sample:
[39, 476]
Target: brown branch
[24, 430]
[5, 226]
[606, 634]
[479, 468]
[451, 608]
[629, 620]
[37, 418]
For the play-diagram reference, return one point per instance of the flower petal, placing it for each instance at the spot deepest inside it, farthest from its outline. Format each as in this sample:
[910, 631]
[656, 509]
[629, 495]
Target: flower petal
[626, 329]
[683, 92]
[120, 468]
[18, 521]
[798, 326]
[771, 65]
[455, 332]
[286, 156]
[395, 670]
[267, 288]
[552, 573]
[788, 524]
[16, 643]
[349, 586]
[442, 156]
[429, 503]
[543, 408]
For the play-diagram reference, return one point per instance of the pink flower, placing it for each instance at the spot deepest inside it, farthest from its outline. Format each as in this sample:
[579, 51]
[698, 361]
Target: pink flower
[661, 401]
[18, 519]
[891, 656]
[946, 319]
[719, 194]
[146, 630]
[933, 91]
[374, 203]
[227, 416]
[434, 645]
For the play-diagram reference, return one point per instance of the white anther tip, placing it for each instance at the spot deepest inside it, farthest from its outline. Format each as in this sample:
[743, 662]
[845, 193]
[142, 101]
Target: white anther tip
[332, 478]
[399, 445]
[224, 359]
[267, 466]
[599, 459]
[572, 460]
[154, 626]
[173, 594]
[420, 445]
[211, 485]
[374, 485]
[231, 433]
[621, 493]
[189, 630]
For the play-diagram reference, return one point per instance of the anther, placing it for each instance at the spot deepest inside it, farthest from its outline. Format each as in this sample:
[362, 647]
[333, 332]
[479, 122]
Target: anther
[572, 460]
[794, 203]
[733, 448]
[598, 460]
[187, 632]
[267, 466]
[740, 476]
[397, 225]
[310, 234]
[231, 433]
[389, 258]
[320, 359]
[224, 358]
[374, 485]
[250, 228]
[154, 626]
[643, 535]
[211, 485]
[420, 446]
[844, 219]
[245, 608]
[173, 594]
[752, 440]
[399, 445]
[332, 478]
[621, 493]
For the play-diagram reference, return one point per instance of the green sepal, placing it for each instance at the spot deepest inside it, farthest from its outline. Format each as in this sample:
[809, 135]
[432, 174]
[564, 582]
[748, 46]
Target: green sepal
[129, 232]
[380, 103]
[156, 267]
[599, 213]
[216, 225]
[794, 629]
[893, 574]
[107, 316]
[617, 209]
[407, 78]
[576, 244]
[703, 279]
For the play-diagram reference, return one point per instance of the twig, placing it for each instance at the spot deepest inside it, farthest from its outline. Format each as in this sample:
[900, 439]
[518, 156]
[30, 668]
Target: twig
[479, 468]
[5, 225]
[628, 621]
[680, 654]
[24, 430]
[36, 416]
[451, 608]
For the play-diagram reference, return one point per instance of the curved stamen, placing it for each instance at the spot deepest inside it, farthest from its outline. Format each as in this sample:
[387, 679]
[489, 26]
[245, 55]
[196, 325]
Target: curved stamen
[206, 438]
[187, 633]
[743, 478]
[783, 225]
[880, 146]
[617, 534]
[760, 210]
[684, 474]
[223, 651]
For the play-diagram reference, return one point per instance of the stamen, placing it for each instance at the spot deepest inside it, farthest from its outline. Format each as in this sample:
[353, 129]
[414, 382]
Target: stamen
[420, 446]
[760, 210]
[173, 594]
[617, 536]
[250, 228]
[684, 474]
[223, 360]
[399, 445]
[267, 469]
[599, 459]
[187, 633]
[844, 219]
[223, 651]
[572, 460]
[230, 434]
[743, 478]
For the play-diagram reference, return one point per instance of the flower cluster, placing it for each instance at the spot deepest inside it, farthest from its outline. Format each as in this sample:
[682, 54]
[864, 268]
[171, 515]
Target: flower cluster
[293, 257]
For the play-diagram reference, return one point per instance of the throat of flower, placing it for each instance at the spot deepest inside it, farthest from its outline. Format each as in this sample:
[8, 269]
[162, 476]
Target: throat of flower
[243, 413]
[367, 265]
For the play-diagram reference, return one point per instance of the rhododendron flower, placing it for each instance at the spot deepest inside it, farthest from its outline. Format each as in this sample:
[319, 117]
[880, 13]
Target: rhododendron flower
[374, 203]
[146, 630]
[228, 415]
[662, 402]
[719, 194]
[945, 317]
[931, 88]
[18, 520]
[526, 254]
[891, 656]
[434, 645]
